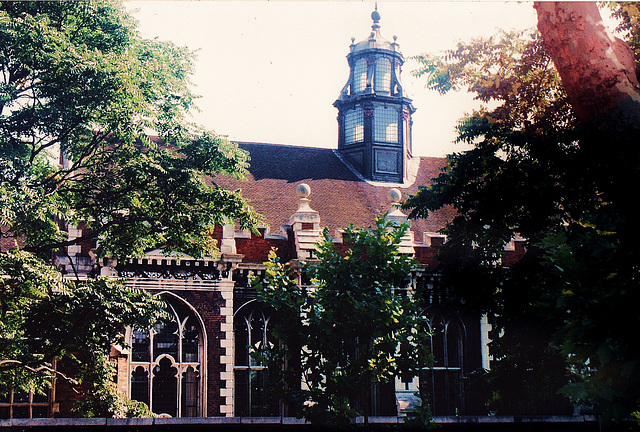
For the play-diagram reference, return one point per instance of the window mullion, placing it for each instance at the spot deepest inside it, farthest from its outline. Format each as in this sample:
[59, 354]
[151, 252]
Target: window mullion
[151, 367]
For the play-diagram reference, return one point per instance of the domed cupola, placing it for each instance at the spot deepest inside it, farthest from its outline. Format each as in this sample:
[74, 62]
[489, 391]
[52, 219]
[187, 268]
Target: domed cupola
[374, 117]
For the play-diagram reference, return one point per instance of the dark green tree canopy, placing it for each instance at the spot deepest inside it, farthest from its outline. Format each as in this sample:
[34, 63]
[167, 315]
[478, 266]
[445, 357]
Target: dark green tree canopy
[560, 314]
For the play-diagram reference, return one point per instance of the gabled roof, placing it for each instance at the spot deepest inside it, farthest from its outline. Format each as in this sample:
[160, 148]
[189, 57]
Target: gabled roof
[339, 195]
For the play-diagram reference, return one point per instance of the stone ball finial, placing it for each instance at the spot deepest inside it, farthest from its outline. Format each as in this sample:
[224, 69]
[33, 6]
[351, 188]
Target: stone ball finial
[303, 190]
[394, 195]
[375, 16]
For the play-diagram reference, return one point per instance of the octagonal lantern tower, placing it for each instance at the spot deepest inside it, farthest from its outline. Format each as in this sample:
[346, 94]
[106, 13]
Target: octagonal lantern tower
[374, 116]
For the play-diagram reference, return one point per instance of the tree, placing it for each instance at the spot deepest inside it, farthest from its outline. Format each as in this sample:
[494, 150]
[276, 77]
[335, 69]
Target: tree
[352, 328]
[513, 183]
[606, 100]
[535, 171]
[598, 70]
[80, 90]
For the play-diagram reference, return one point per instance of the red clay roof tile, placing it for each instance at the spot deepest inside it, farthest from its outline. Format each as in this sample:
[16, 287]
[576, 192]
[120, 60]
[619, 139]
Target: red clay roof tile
[339, 196]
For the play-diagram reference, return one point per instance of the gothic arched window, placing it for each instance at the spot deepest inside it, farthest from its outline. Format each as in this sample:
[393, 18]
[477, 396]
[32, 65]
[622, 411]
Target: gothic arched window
[252, 330]
[443, 381]
[166, 363]
[360, 76]
[383, 75]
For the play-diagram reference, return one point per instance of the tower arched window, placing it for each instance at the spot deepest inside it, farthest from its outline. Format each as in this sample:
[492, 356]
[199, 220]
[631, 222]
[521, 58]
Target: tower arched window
[385, 120]
[166, 363]
[353, 126]
[360, 76]
[252, 325]
[443, 381]
[383, 75]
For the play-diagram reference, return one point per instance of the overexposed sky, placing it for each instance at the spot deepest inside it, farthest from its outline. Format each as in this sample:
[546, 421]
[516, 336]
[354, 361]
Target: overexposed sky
[269, 71]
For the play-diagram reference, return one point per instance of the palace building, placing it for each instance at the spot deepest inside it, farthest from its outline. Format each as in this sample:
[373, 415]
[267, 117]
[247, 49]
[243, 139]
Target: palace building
[198, 365]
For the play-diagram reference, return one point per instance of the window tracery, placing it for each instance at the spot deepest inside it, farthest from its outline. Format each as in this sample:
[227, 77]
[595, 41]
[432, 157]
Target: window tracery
[252, 329]
[443, 381]
[166, 363]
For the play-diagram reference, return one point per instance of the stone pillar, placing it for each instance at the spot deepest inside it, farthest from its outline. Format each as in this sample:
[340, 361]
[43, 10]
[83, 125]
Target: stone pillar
[485, 328]
[396, 217]
[228, 243]
[226, 334]
[226, 344]
[305, 223]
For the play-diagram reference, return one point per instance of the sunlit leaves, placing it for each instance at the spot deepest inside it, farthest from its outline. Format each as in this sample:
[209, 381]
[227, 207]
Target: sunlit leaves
[515, 180]
[25, 279]
[79, 92]
[352, 326]
[77, 79]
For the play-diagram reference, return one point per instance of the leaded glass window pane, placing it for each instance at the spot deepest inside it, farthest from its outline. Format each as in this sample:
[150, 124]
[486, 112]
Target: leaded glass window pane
[190, 341]
[165, 388]
[241, 329]
[252, 333]
[360, 76]
[190, 392]
[385, 124]
[39, 411]
[165, 341]
[39, 398]
[140, 346]
[442, 382]
[20, 396]
[21, 411]
[353, 126]
[140, 385]
[383, 75]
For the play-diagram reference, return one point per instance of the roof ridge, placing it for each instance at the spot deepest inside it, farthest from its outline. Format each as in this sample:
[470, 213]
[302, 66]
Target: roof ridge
[284, 145]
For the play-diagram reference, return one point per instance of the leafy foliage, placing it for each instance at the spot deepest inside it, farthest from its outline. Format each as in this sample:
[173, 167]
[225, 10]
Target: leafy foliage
[79, 92]
[533, 172]
[77, 80]
[353, 326]
[627, 15]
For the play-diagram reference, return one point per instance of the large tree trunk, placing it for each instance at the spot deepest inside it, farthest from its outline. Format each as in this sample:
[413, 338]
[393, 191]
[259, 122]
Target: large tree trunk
[597, 69]
[599, 76]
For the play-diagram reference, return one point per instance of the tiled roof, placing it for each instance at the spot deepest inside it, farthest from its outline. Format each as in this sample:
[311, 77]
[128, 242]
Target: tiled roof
[340, 197]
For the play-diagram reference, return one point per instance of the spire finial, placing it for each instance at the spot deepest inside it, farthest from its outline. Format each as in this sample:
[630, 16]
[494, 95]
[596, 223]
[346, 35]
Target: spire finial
[375, 16]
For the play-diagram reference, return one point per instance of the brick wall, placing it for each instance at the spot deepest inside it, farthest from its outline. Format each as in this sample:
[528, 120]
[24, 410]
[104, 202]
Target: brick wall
[257, 248]
[426, 255]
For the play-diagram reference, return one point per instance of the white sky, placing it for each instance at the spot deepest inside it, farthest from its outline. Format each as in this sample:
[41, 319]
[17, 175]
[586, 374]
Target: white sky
[269, 71]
